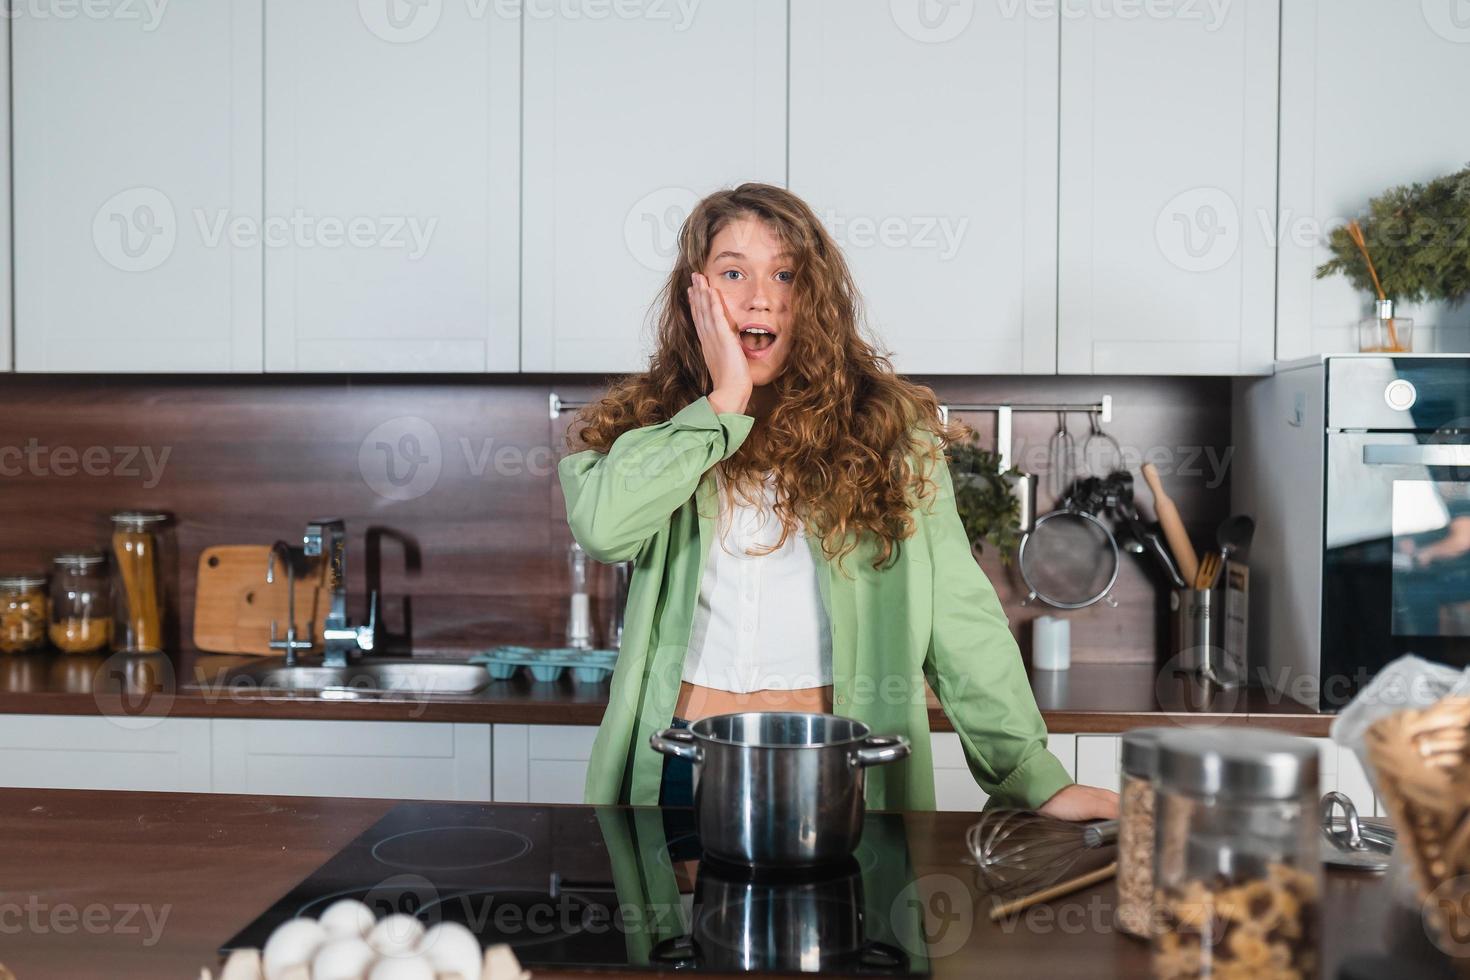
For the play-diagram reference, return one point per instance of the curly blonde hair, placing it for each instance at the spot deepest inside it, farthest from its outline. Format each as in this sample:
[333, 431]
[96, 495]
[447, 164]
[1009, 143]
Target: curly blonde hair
[839, 440]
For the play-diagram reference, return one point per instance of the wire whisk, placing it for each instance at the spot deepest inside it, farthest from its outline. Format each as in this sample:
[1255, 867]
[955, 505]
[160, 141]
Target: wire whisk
[1022, 850]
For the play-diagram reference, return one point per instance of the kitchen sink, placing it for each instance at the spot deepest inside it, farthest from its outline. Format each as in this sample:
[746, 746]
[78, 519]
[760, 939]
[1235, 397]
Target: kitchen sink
[376, 676]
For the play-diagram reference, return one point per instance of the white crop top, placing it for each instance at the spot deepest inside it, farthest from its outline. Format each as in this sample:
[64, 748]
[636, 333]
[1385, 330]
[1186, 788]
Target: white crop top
[759, 623]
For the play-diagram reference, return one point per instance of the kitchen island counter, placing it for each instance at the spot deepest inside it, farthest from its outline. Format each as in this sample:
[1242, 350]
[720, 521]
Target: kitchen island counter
[1088, 698]
[151, 884]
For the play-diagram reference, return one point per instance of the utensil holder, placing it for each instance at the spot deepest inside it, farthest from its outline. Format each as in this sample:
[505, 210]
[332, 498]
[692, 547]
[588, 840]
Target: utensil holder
[1208, 628]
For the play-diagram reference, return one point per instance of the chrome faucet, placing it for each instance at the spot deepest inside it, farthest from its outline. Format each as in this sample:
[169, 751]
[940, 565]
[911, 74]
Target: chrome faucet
[326, 538]
[290, 644]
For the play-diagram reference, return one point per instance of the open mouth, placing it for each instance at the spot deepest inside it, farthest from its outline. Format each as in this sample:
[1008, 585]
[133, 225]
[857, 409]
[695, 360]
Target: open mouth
[756, 338]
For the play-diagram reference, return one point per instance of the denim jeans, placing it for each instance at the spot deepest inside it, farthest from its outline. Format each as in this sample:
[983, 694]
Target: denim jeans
[677, 787]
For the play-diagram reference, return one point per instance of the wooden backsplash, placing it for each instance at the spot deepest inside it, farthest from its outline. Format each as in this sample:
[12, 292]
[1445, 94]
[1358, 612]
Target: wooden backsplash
[448, 484]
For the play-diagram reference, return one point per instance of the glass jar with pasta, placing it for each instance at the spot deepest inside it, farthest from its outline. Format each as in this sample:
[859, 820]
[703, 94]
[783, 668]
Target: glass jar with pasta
[1237, 878]
[22, 613]
[137, 575]
[81, 608]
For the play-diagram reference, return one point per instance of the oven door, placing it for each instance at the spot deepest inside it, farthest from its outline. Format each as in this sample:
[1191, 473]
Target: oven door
[1396, 564]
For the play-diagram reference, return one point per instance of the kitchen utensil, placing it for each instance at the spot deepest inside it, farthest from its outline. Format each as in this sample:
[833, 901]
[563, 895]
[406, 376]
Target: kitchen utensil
[1061, 452]
[1168, 514]
[1055, 891]
[1351, 842]
[1069, 560]
[81, 602]
[234, 606]
[1234, 536]
[1100, 452]
[1020, 850]
[1208, 570]
[779, 787]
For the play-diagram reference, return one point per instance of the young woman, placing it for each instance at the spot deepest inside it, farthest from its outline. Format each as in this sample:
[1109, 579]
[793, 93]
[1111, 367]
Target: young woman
[786, 502]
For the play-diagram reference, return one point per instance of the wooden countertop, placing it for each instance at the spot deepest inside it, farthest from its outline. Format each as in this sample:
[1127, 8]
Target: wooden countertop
[189, 870]
[1088, 698]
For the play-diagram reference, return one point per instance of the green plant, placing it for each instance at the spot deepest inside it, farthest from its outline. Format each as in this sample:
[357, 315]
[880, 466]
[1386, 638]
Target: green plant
[988, 509]
[1417, 237]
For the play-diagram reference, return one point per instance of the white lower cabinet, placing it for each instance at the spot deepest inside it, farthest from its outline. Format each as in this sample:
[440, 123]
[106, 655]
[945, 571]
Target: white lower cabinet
[387, 759]
[542, 763]
[71, 752]
[432, 760]
[955, 788]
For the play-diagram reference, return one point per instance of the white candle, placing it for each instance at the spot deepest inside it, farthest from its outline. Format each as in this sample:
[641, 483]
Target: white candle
[1051, 643]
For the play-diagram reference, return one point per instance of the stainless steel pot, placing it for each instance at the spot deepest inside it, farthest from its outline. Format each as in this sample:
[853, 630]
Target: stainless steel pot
[779, 787]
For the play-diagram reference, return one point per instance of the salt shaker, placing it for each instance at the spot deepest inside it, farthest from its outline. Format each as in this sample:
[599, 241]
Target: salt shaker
[579, 616]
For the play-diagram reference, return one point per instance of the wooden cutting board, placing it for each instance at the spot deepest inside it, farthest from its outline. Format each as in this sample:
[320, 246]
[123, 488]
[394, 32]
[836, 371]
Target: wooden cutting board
[234, 607]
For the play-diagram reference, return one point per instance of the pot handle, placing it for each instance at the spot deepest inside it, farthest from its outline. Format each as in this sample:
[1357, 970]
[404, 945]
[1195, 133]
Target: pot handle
[677, 742]
[878, 749]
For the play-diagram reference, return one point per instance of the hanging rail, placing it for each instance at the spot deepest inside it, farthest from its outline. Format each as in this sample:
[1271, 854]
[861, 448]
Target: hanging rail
[1003, 412]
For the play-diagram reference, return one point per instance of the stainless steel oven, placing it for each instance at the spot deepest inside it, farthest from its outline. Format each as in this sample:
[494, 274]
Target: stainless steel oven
[1384, 444]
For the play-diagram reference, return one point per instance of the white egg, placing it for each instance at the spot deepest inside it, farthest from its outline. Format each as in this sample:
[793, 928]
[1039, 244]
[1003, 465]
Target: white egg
[402, 968]
[347, 917]
[452, 949]
[395, 935]
[293, 943]
[501, 964]
[343, 958]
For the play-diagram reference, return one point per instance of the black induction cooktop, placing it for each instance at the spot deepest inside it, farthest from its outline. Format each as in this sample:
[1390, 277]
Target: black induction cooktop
[622, 888]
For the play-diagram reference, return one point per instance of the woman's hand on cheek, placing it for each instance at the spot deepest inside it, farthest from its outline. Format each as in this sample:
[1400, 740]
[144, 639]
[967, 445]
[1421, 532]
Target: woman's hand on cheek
[1078, 802]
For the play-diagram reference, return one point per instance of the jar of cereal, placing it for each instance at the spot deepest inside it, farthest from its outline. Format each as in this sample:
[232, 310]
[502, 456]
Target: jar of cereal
[1139, 763]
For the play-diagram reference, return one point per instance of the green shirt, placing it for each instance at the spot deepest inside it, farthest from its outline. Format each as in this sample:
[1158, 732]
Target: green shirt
[930, 615]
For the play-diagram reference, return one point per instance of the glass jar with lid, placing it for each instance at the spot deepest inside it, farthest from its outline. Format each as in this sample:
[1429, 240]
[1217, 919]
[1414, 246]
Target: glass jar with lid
[81, 607]
[1237, 876]
[22, 613]
[1139, 764]
[138, 576]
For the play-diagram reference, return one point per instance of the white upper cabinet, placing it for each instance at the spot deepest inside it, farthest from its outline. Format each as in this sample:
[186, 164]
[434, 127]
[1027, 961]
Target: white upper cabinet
[137, 142]
[391, 180]
[632, 113]
[924, 135]
[1372, 96]
[1167, 188]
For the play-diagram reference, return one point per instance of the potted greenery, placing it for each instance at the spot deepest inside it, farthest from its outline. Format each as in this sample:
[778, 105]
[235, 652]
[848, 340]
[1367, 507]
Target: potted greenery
[988, 508]
[1413, 246]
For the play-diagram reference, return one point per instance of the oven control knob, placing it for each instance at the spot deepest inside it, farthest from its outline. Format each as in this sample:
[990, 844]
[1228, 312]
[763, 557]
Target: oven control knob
[1400, 395]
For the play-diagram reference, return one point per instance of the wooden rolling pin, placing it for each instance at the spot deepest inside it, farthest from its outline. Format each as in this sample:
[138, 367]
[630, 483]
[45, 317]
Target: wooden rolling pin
[1173, 526]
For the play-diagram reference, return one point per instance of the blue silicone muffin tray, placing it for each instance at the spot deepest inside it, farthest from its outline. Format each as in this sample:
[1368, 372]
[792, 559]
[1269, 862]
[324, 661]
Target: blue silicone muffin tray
[547, 665]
